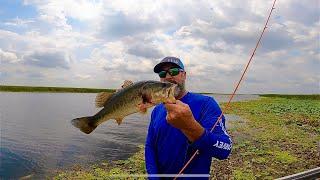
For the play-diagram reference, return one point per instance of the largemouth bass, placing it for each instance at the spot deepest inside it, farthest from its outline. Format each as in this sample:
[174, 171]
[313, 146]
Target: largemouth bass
[126, 101]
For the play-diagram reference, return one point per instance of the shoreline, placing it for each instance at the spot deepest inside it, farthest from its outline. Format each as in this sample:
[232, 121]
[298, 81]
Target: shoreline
[48, 89]
[38, 89]
[275, 137]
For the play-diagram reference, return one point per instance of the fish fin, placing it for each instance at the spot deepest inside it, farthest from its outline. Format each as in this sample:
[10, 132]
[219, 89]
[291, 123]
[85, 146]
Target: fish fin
[101, 98]
[84, 124]
[126, 83]
[119, 120]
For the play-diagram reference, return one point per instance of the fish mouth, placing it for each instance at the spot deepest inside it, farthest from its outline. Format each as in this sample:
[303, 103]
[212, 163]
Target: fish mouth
[172, 90]
[166, 94]
[172, 93]
[176, 90]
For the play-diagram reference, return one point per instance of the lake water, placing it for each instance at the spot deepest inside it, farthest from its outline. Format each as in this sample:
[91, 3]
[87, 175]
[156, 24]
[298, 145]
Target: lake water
[37, 137]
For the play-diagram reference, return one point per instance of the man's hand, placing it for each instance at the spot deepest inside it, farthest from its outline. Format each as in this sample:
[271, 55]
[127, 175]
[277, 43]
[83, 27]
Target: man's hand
[143, 107]
[179, 115]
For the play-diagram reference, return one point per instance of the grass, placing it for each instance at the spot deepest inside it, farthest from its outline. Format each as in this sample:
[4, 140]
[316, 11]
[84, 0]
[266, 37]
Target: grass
[276, 136]
[51, 89]
[279, 137]
[107, 170]
[293, 96]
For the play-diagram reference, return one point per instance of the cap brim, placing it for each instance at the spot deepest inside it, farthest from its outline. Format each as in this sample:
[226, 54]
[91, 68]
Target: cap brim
[158, 67]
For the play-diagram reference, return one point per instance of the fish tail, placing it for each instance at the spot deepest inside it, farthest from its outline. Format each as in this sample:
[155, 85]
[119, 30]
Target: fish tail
[84, 124]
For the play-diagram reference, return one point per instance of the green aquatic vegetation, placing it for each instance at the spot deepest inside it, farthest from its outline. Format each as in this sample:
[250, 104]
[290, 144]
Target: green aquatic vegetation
[243, 174]
[279, 138]
[294, 96]
[303, 113]
[107, 170]
[306, 107]
[260, 160]
[285, 157]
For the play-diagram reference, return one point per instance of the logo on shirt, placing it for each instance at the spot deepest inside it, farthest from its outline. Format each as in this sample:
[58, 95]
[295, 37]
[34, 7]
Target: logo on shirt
[222, 145]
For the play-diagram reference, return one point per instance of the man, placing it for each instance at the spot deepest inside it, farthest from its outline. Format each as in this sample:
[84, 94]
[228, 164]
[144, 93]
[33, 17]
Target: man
[178, 129]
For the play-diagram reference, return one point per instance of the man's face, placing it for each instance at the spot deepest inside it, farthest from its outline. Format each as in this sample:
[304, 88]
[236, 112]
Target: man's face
[178, 79]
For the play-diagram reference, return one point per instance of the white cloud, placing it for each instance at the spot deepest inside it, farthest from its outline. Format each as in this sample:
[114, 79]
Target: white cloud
[18, 22]
[99, 43]
[83, 76]
[8, 57]
[84, 10]
[47, 58]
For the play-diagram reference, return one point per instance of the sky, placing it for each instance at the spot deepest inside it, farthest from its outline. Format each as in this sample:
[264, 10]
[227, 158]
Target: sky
[99, 44]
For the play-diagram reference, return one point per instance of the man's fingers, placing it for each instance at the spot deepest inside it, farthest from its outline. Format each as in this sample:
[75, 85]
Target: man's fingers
[169, 116]
[179, 102]
[145, 105]
[169, 106]
[174, 105]
[168, 101]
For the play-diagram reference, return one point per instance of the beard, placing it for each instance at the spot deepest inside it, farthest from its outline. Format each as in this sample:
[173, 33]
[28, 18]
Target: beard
[181, 88]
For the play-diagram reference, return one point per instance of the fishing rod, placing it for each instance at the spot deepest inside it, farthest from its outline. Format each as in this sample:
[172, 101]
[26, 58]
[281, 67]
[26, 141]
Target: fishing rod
[235, 90]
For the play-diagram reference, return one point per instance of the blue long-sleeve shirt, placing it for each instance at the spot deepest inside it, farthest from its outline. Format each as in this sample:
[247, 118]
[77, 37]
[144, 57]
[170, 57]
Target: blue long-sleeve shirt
[168, 149]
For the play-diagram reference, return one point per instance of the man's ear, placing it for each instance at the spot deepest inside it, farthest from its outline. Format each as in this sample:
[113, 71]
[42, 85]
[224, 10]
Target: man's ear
[184, 74]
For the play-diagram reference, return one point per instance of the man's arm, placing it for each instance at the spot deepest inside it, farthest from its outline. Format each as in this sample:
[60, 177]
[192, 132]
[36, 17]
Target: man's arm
[217, 143]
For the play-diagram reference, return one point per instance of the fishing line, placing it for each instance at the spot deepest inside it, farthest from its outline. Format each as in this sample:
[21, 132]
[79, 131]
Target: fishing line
[235, 90]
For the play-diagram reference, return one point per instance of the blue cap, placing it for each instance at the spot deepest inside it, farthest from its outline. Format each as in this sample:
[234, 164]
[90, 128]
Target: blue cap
[170, 60]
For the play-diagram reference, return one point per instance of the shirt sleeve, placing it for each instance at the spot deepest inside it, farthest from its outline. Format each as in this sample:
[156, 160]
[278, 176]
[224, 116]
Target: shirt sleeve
[150, 152]
[217, 143]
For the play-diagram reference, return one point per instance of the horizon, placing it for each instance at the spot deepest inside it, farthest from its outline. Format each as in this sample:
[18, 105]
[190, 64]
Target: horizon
[100, 44]
[219, 93]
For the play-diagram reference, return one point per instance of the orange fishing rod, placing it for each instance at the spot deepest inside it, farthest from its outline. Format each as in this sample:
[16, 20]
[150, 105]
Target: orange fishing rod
[235, 90]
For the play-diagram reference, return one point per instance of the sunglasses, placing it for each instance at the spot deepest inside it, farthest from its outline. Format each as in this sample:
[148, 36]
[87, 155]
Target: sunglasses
[172, 72]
